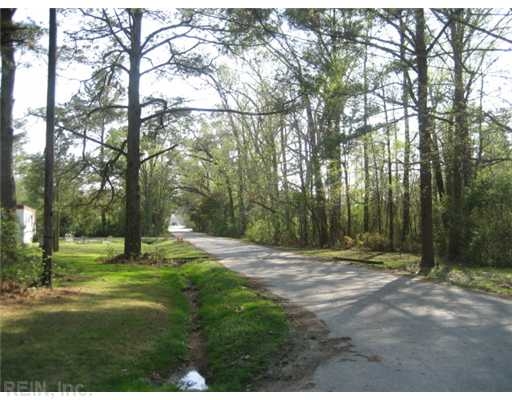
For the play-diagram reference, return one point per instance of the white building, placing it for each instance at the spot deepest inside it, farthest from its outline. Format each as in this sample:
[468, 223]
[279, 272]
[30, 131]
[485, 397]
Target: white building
[27, 223]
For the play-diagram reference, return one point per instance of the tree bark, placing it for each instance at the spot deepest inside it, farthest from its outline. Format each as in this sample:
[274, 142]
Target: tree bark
[378, 198]
[436, 163]
[459, 143]
[320, 217]
[425, 126]
[406, 199]
[366, 166]
[132, 240]
[390, 205]
[8, 192]
[49, 153]
[286, 190]
[56, 220]
[335, 178]
[304, 206]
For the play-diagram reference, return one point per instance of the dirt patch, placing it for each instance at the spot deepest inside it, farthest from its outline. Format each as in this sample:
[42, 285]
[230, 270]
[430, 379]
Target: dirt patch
[197, 347]
[308, 345]
[19, 295]
[197, 356]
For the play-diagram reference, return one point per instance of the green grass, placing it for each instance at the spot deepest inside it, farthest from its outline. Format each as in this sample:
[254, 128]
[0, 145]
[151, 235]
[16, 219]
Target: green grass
[109, 327]
[244, 330]
[106, 327]
[488, 279]
[390, 260]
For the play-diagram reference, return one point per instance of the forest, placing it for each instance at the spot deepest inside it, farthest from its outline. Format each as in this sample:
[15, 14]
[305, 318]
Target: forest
[389, 129]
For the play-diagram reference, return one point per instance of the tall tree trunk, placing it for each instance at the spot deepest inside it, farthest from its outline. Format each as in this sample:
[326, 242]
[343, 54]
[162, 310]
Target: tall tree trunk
[286, 190]
[390, 205]
[335, 178]
[459, 143]
[348, 204]
[103, 211]
[378, 174]
[242, 210]
[436, 163]
[56, 220]
[132, 238]
[8, 192]
[274, 192]
[241, 162]
[320, 217]
[347, 195]
[406, 198]
[49, 153]
[304, 207]
[366, 166]
[480, 126]
[427, 243]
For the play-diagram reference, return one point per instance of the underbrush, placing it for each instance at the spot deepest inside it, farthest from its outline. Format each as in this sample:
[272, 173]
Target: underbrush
[23, 270]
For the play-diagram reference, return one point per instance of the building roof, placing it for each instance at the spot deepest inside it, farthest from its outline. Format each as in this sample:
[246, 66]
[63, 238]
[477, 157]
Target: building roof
[25, 207]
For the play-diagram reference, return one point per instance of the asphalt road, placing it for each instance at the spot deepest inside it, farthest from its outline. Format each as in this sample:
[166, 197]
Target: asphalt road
[428, 337]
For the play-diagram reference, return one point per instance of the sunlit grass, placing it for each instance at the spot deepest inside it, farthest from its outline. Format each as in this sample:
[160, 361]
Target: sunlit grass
[110, 327]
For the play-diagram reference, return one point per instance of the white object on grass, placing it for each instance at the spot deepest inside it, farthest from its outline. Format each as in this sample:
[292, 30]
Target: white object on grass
[193, 381]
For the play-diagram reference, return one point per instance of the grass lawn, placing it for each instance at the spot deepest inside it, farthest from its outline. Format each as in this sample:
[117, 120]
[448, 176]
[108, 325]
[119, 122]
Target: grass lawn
[114, 326]
[488, 279]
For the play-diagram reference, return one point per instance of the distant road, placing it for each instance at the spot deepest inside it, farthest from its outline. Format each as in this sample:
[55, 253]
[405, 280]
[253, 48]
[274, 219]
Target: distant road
[428, 337]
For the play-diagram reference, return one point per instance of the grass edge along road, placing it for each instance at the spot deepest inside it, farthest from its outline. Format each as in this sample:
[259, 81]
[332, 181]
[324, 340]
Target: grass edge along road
[119, 327]
[479, 278]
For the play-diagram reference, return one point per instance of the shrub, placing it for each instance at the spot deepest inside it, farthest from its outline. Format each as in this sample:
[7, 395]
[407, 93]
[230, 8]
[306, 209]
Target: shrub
[111, 252]
[374, 241]
[8, 237]
[348, 242]
[25, 270]
[490, 218]
[260, 231]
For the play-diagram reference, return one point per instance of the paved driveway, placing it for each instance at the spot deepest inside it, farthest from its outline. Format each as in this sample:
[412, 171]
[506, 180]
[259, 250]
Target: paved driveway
[429, 337]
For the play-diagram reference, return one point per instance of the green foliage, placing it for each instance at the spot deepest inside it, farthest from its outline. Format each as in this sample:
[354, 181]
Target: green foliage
[24, 270]
[9, 231]
[210, 215]
[243, 329]
[260, 231]
[110, 251]
[77, 204]
[490, 205]
[157, 189]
